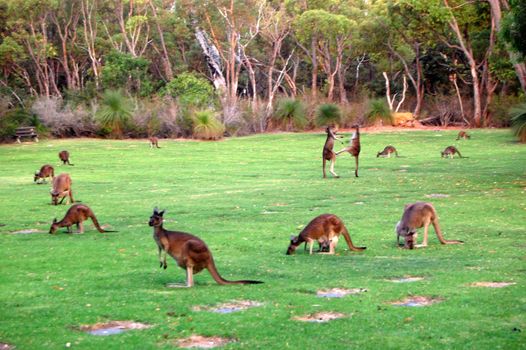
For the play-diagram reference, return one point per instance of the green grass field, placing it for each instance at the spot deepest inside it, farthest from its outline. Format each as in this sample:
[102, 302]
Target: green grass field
[245, 197]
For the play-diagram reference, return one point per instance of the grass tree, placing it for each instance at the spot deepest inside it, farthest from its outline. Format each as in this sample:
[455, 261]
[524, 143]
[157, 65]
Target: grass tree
[518, 121]
[378, 110]
[328, 114]
[206, 126]
[115, 112]
[290, 112]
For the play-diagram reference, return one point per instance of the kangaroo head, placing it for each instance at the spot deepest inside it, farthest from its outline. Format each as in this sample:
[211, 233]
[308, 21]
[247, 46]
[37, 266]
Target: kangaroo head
[157, 218]
[54, 226]
[378, 154]
[294, 243]
[54, 196]
[36, 177]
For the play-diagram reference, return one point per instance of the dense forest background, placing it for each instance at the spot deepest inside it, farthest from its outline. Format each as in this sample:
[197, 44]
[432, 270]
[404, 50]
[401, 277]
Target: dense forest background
[183, 68]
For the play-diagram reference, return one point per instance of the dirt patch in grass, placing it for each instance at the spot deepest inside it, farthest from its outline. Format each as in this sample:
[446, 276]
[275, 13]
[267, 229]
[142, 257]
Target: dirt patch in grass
[320, 317]
[28, 231]
[417, 301]
[112, 327]
[437, 195]
[5, 346]
[339, 292]
[227, 308]
[406, 279]
[492, 284]
[198, 341]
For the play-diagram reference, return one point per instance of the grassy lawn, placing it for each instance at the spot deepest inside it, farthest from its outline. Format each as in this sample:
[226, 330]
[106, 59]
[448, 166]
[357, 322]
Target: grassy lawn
[245, 197]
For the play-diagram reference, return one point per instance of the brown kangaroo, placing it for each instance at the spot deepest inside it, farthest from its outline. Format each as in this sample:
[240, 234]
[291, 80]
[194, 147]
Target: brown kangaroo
[61, 189]
[75, 215]
[388, 150]
[328, 153]
[415, 216]
[190, 252]
[354, 147]
[463, 135]
[450, 152]
[45, 171]
[154, 142]
[64, 157]
[326, 227]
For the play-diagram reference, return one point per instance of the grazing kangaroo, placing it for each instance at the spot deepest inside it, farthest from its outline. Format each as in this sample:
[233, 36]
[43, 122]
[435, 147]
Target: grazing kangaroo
[388, 150]
[415, 216]
[326, 227]
[354, 147]
[190, 252]
[75, 215]
[64, 157]
[463, 135]
[61, 189]
[450, 152]
[328, 153]
[154, 142]
[45, 171]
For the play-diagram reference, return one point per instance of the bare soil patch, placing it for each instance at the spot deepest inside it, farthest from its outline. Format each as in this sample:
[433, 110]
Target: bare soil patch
[492, 284]
[5, 346]
[27, 231]
[406, 279]
[437, 195]
[320, 317]
[112, 327]
[339, 292]
[198, 341]
[227, 308]
[417, 301]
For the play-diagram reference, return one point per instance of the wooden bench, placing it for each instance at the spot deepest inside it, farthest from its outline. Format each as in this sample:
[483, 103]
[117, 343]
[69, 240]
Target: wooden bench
[26, 131]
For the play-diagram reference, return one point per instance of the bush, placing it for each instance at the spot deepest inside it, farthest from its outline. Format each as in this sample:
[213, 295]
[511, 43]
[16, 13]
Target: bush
[290, 112]
[328, 114]
[191, 90]
[518, 121]
[378, 110]
[12, 119]
[122, 69]
[115, 113]
[206, 126]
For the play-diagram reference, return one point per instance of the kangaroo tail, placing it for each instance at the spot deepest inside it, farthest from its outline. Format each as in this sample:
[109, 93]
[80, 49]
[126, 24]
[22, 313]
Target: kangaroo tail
[441, 237]
[220, 280]
[347, 237]
[96, 223]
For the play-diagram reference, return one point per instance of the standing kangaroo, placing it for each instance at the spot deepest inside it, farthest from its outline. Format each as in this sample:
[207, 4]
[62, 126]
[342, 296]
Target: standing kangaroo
[190, 252]
[463, 135]
[415, 216]
[61, 189]
[326, 227]
[64, 157]
[328, 154]
[388, 150]
[75, 215]
[354, 147]
[450, 152]
[154, 142]
[45, 172]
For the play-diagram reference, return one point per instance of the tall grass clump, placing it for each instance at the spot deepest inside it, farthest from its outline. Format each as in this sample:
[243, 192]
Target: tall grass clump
[378, 110]
[206, 126]
[290, 113]
[115, 113]
[328, 114]
[518, 121]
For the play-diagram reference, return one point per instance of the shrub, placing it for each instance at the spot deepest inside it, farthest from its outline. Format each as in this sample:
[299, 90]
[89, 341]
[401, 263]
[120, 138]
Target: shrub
[206, 126]
[191, 90]
[290, 112]
[122, 69]
[518, 121]
[378, 110]
[115, 113]
[12, 119]
[328, 114]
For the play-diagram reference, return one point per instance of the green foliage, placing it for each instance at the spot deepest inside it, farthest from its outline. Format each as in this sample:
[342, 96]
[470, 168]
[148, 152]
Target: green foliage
[115, 113]
[290, 112]
[191, 90]
[13, 119]
[328, 114]
[122, 69]
[206, 126]
[518, 121]
[378, 109]
[513, 26]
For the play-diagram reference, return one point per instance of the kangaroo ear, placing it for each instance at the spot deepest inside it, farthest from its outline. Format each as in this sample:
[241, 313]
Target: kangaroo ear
[161, 213]
[155, 210]
[55, 220]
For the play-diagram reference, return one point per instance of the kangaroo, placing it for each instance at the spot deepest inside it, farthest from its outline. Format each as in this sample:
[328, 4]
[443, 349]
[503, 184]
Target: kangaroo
[61, 189]
[154, 142]
[415, 216]
[190, 252]
[450, 152]
[463, 135]
[64, 157]
[328, 154]
[354, 147]
[388, 150]
[76, 214]
[45, 172]
[326, 227]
